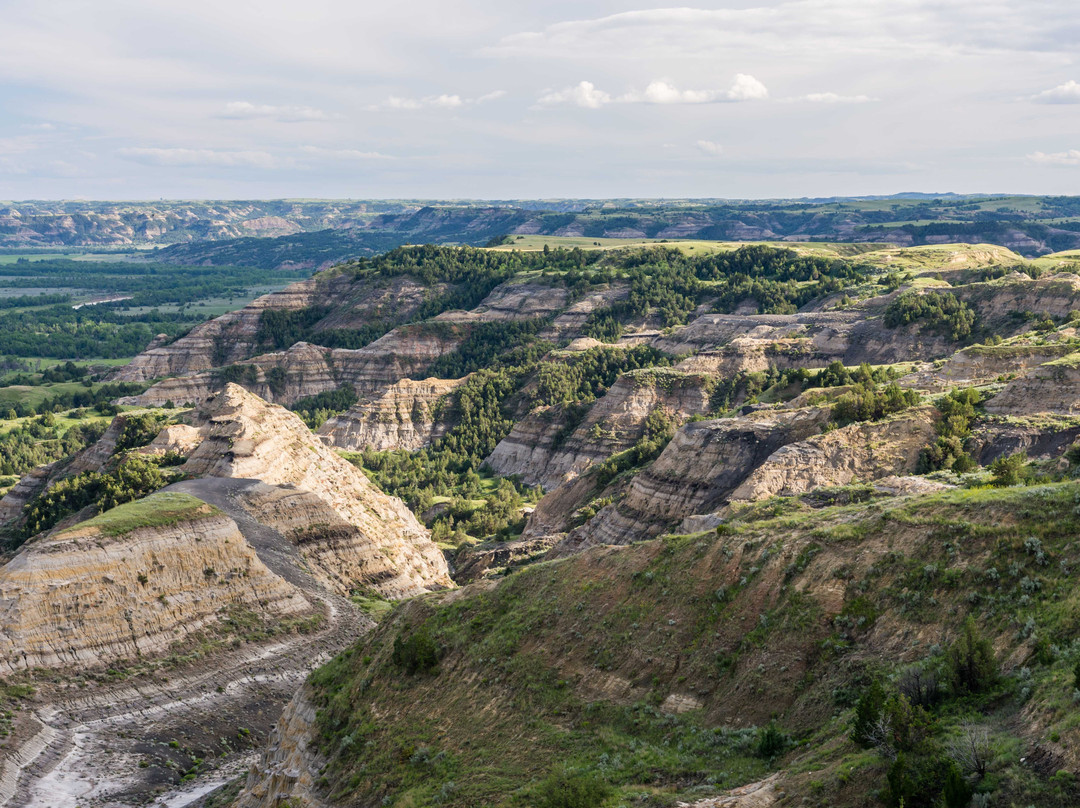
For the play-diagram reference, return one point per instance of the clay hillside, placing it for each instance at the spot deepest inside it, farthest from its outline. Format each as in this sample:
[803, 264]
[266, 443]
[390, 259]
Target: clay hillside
[695, 523]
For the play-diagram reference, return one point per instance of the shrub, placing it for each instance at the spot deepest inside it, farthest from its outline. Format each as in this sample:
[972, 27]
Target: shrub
[418, 653]
[866, 402]
[771, 742]
[970, 661]
[1010, 470]
[942, 312]
[565, 790]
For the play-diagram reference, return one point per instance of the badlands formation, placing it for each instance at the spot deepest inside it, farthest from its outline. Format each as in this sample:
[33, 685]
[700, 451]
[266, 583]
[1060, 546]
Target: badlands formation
[732, 525]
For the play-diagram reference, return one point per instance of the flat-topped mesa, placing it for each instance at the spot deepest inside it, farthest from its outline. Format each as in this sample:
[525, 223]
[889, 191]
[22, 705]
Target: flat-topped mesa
[999, 300]
[130, 583]
[539, 449]
[407, 415]
[243, 437]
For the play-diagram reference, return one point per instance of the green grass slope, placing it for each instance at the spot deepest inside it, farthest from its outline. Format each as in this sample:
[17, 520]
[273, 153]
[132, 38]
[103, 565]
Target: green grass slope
[652, 673]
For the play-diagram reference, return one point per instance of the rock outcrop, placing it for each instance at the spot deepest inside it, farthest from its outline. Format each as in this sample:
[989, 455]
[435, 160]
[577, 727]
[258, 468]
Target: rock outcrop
[864, 451]
[243, 437]
[1053, 387]
[698, 471]
[230, 338]
[406, 415]
[539, 450]
[304, 370]
[284, 774]
[344, 299]
[979, 364]
[129, 583]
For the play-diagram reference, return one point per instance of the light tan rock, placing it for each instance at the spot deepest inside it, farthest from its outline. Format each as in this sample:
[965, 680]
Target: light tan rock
[613, 424]
[407, 415]
[286, 770]
[1053, 387]
[244, 437]
[88, 596]
[864, 451]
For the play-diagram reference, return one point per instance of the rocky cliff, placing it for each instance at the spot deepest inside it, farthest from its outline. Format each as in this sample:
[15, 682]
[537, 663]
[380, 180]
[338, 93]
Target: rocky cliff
[130, 583]
[284, 772]
[539, 449]
[244, 437]
[224, 340]
[859, 452]
[406, 415]
[1053, 387]
[698, 471]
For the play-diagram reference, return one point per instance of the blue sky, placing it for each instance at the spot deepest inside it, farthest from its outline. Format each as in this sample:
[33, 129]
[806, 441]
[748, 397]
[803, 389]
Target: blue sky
[119, 99]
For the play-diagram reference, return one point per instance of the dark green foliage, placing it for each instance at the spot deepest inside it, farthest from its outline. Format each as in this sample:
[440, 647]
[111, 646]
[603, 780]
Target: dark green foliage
[565, 790]
[451, 465]
[771, 742]
[659, 430]
[916, 780]
[138, 430]
[112, 330]
[1010, 469]
[485, 344]
[1076, 676]
[941, 312]
[868, 402]
[67, 372]
[317, 408]
[867, 711]
[135, 477]
[970, 662]
[957, 792]
[584, 377]
[957, 410]
[417, 653]
[669, 285]
[275, 380]
[244, 375]
[34, 444]
[283, 328]
[93, 396]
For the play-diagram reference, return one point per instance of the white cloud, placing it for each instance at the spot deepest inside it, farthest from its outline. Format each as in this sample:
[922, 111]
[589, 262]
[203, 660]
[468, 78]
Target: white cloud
[835, 98]
[1065, 158]
[200, 157]
[747, 88]
[444, 101]
[586, 94]
[286, 114]
[1067, 93]
[344, 154]
[710, 147]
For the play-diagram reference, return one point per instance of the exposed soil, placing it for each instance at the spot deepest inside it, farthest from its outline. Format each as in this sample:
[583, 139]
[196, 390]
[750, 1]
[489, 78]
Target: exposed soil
[170, 737]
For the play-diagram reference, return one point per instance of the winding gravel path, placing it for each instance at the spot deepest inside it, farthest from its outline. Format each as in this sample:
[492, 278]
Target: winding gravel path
[92, 749]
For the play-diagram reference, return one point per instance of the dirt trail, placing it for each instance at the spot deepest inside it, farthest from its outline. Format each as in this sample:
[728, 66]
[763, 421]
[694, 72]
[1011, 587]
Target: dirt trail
[127, 744]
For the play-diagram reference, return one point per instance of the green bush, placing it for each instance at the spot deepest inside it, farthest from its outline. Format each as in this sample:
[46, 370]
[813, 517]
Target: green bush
[565, 790]
[771, 742]
[941, 312]
[417, 653]
[1010, 470]
[867, 402]
[970, 662]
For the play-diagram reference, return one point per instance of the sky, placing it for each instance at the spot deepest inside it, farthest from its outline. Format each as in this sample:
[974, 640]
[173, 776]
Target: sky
[486, 99]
